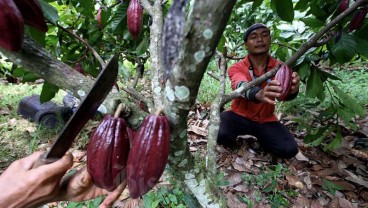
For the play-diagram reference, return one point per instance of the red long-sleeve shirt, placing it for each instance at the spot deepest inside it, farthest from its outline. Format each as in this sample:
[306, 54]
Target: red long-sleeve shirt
[259, 112]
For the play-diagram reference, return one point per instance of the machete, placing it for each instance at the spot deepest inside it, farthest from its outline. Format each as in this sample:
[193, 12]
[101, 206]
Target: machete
[86, 110]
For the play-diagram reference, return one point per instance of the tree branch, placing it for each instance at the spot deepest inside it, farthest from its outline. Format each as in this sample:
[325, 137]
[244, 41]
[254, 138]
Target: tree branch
[36, 59]
[93, 51]
[148, 7]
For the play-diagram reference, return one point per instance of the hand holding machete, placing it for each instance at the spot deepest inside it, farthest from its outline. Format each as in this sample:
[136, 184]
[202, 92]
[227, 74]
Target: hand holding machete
[38, 178]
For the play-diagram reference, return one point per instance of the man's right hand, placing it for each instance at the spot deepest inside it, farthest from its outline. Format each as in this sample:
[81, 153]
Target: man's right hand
[269, 92]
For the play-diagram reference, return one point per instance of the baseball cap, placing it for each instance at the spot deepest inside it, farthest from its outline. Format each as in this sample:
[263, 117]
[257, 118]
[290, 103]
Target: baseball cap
[253, 27]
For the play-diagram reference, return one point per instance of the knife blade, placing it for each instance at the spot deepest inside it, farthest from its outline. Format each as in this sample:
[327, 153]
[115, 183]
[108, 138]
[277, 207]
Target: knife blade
[86, 110]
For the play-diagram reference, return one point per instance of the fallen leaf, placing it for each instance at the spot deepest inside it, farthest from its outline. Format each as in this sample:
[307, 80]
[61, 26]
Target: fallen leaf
[345, 203]
[301, 201]
[294, 181]
[233, 202]
[356, 179]
[308, 181]
[301, 157]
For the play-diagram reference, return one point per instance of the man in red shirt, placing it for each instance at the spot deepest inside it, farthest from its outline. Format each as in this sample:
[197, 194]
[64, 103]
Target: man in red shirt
[253, 114]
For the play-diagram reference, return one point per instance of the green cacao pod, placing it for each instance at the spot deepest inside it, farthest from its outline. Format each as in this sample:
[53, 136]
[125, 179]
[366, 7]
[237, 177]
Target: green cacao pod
[32, 13]
[358, 19]
[148, 156]
[284, 77]
[11, 26]
[135, 18]
[107, 153]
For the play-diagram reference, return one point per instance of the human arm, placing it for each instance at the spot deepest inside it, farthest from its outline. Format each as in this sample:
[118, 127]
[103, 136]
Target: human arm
[23, 186]
[27, 187]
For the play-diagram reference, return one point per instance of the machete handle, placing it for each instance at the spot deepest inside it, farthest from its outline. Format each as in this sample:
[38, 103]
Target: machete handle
[42, 160]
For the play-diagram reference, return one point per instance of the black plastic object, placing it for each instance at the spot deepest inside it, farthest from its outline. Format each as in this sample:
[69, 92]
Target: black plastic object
[49, 113]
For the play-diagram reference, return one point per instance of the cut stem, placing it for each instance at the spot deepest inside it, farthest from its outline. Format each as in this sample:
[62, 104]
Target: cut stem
[118, 110]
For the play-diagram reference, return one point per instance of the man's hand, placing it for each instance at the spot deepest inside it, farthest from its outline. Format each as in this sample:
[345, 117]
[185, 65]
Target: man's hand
[23, 186]
[295, 83]
[269, 92]
[79, 187]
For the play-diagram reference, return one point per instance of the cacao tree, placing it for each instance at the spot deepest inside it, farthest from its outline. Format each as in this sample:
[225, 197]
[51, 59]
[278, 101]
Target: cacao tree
[177, 41]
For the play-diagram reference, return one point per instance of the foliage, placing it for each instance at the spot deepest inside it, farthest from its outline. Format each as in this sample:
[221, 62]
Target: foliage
[87, 204]
[267, 184]
[331, 186]
[164, 197]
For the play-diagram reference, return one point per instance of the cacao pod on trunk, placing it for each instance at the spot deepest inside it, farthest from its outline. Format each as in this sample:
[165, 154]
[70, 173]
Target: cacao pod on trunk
[11, 26]
[107, 153]
[284, 77]
[344, 4]
[135, 18]
[32, 13]
[358, 19]
[148, 156]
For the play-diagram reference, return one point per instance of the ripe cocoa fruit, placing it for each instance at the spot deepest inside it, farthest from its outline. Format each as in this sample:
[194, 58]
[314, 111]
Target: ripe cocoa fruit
[284, 77]
[11, 26]
[32, 13]
[344, 4]
[135, 18]
[358, 19]
[98, 18]
[148, 156]
[107, 153]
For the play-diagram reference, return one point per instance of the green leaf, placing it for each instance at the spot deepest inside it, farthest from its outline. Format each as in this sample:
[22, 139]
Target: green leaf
[119, 21]
[302, 5]
[345, 49]
[256, 4]
[320, 139]
[285, 10]
[362, 46]
[50, 12]
[312, 137]
[220, 45]
[142, 47]
[313, 22]
[331, 186]
[349, 102]
[304, 71]
[189, 201]
[314, 84]
[325, 75]
[36, 35]
[335, 143]
[48, 92]
[29, 77]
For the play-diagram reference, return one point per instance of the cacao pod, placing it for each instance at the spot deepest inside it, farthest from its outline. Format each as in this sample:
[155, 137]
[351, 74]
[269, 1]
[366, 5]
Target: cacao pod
[98, 18]
[148, 156]
[284, 77]
[32, 13]
[107, 153]
[358, 19]
[135, 18]
[344, 4]
[79, 68]
[11, 26]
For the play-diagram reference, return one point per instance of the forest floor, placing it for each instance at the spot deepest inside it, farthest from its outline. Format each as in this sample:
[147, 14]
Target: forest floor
[250, 177]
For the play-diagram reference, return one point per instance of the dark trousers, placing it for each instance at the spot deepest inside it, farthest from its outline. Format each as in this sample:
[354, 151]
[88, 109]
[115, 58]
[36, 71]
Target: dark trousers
[273, 137]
